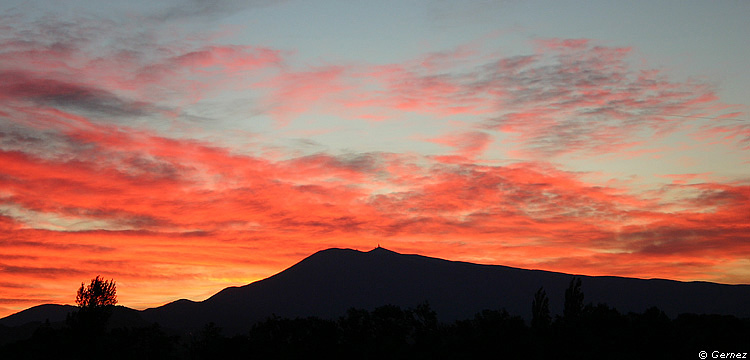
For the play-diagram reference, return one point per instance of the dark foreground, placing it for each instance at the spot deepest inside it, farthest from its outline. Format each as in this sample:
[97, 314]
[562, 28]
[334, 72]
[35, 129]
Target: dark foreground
[390, 332]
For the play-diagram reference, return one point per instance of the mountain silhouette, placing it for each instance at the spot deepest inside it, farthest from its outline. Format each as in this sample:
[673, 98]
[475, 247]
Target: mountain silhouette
[40, 313]
[331, 281]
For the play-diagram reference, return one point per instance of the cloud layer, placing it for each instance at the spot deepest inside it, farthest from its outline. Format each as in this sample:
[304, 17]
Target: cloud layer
[106, 169]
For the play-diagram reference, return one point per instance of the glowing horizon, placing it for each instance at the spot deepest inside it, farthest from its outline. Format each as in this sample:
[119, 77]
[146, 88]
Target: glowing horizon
[185, 147]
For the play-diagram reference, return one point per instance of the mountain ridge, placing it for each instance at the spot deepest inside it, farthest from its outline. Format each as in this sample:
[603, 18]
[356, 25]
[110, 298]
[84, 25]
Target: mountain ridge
[328, 282]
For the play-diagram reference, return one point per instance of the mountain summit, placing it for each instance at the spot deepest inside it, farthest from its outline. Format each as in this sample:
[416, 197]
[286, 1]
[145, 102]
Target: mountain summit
[330, 281]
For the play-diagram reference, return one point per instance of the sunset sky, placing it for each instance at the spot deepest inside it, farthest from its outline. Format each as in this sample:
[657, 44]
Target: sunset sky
[183, 146]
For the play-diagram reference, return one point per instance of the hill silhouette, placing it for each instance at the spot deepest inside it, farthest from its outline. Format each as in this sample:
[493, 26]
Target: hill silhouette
[331, 281]
[40, 313]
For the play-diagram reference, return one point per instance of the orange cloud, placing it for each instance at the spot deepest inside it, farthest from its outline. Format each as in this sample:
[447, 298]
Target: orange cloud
[151, 210]
[97, 179]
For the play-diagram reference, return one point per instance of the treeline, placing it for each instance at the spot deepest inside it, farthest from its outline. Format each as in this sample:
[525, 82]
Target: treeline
[390, 332]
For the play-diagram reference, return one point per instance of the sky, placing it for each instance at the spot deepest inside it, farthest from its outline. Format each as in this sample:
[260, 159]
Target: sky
[180, 147]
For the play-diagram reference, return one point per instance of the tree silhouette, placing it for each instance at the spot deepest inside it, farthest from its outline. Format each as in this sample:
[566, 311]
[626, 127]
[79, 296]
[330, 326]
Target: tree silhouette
[99, 293]
[95, 303]
[540, 317]
[573, 300]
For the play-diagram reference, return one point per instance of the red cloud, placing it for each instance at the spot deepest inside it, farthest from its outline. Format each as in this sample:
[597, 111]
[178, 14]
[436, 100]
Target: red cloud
[468, 145]
[86, 190]
[570, 96]
[224, 59]
[157, 195]
[298, 92]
